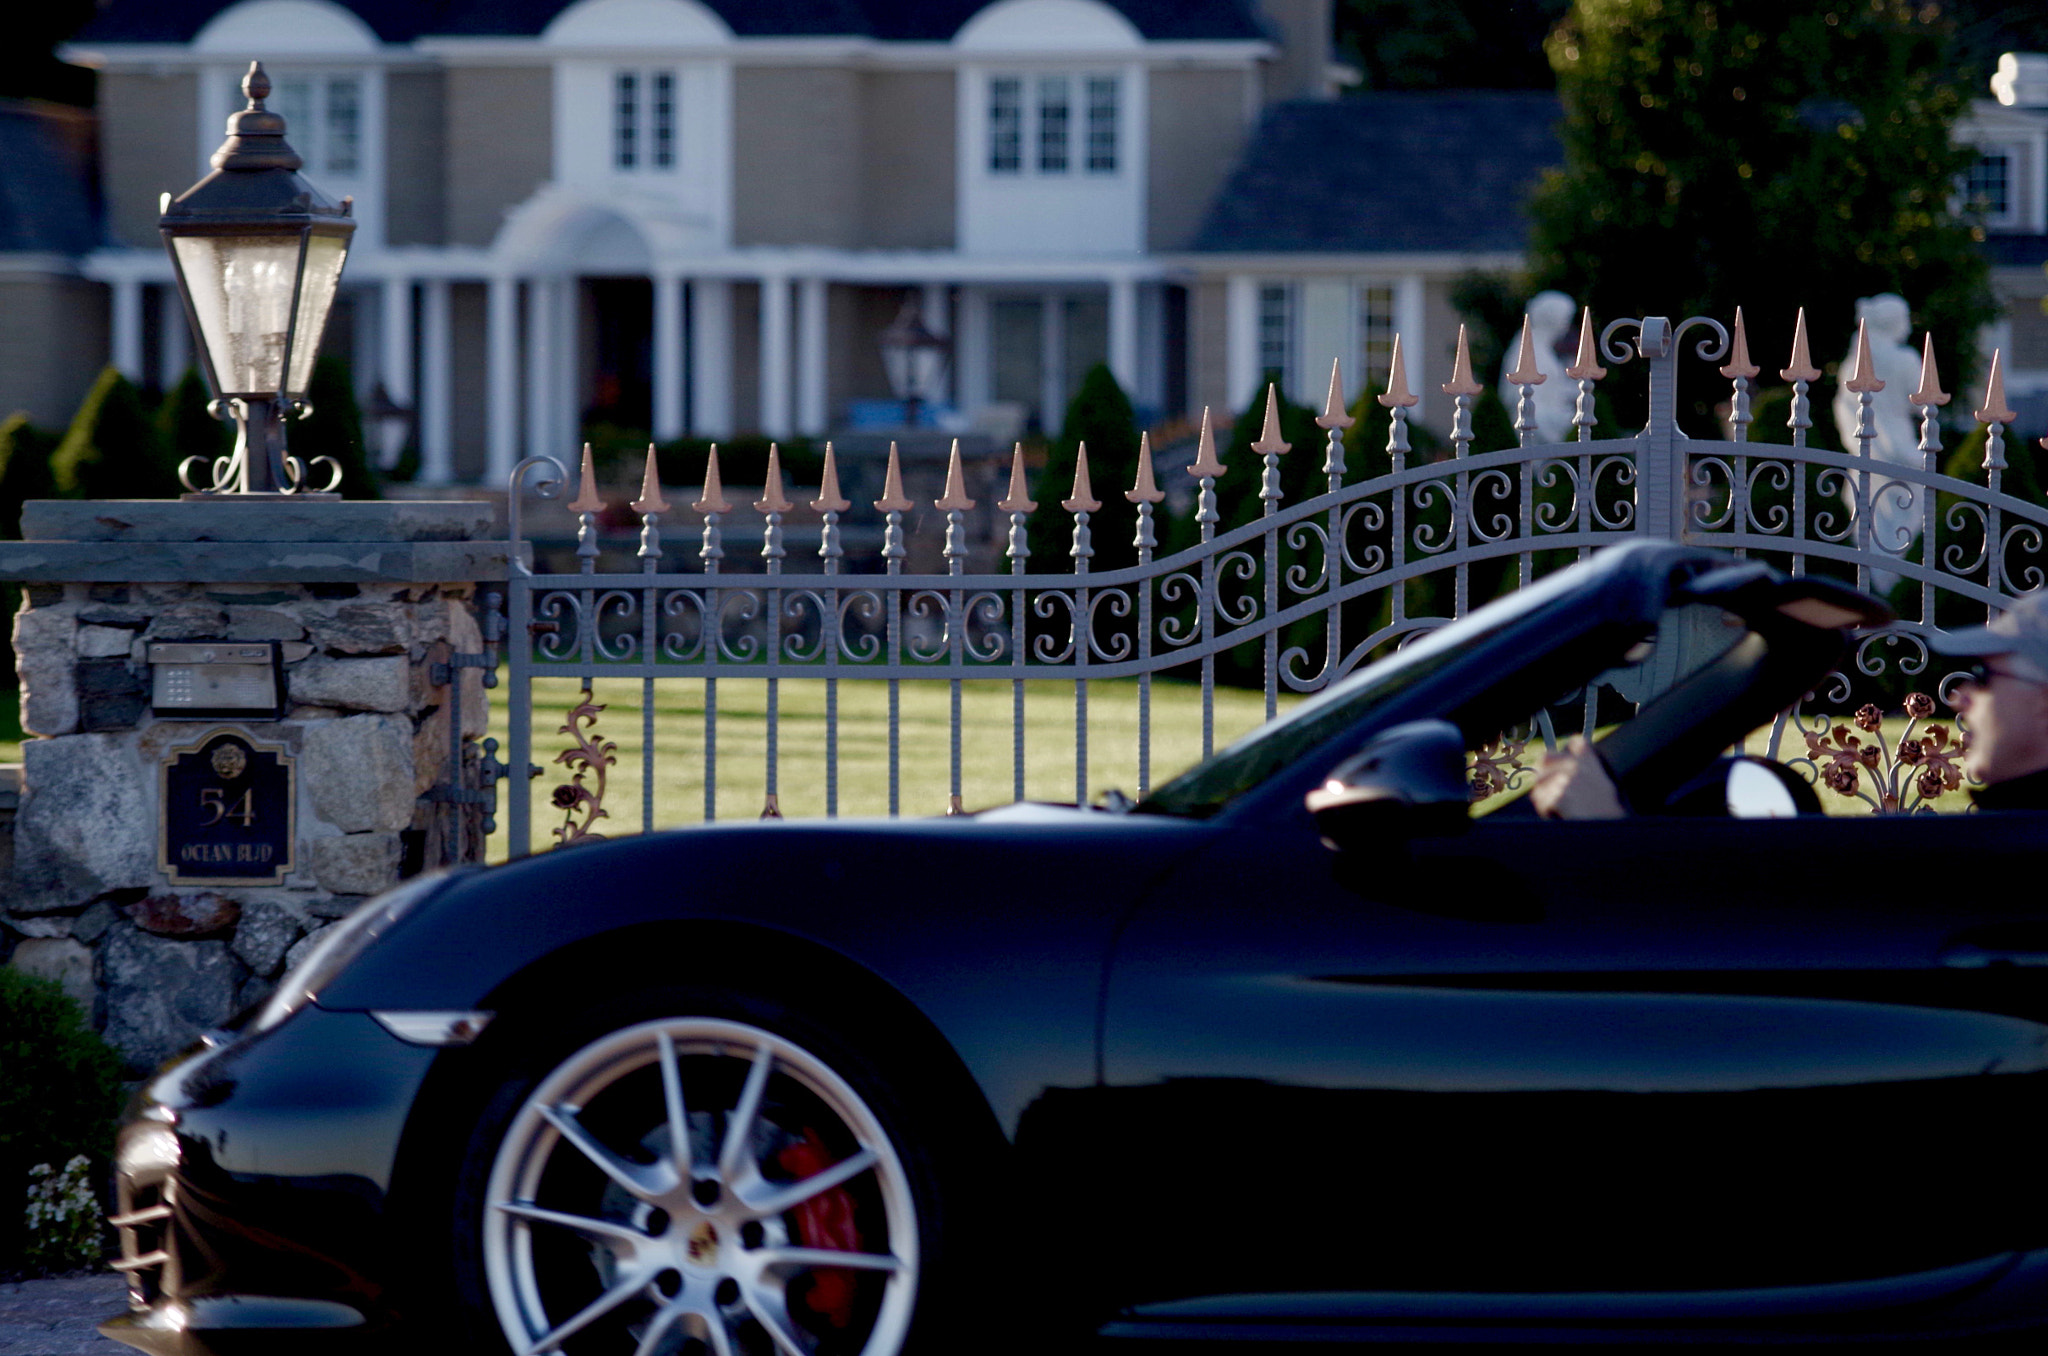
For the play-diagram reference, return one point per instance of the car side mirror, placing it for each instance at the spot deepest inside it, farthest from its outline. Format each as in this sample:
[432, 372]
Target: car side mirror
[1408, 781]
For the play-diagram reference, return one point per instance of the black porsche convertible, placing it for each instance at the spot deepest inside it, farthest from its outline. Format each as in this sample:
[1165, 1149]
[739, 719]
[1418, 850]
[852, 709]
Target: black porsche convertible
[1296, 1048]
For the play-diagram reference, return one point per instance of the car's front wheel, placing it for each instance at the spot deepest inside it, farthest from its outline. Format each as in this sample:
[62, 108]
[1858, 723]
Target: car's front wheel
[689, 1184]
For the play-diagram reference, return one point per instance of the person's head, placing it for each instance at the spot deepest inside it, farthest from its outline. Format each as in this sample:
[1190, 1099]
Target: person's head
[2007, 707]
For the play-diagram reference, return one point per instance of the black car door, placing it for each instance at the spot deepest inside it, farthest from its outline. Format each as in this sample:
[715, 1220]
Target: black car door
[1659, 1054]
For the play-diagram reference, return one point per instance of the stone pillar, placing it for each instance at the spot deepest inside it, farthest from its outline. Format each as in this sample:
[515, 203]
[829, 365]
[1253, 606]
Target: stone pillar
[363, 601]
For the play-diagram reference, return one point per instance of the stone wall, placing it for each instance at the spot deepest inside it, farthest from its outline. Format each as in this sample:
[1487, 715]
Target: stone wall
[338, 587]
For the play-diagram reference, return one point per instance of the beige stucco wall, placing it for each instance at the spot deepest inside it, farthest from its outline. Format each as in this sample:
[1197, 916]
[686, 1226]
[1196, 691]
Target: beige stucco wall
[1302, 30]
[148, 145]
[910, 161]
[1198, 133]
[1436, 356]
[53, 344]
[416, 148]
[796, 156]
[500, 146]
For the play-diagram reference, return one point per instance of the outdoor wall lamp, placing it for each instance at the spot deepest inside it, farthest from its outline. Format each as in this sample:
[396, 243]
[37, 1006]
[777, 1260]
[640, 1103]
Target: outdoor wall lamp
[258, 254]
[914, 358]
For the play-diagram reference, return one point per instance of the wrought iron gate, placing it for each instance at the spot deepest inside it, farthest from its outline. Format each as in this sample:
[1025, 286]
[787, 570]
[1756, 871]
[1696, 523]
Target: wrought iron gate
[1319, 585]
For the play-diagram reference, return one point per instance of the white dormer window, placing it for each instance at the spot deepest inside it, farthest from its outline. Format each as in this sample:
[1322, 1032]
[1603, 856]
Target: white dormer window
[1988, 187]
[644, 119]
[1060, 142]
[323, 118]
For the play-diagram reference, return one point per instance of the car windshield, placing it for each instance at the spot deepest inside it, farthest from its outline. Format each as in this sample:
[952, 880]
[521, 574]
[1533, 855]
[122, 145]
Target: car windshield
[1207, 787]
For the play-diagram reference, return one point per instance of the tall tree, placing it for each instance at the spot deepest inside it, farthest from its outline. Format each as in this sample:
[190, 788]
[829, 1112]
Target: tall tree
[1749, 152]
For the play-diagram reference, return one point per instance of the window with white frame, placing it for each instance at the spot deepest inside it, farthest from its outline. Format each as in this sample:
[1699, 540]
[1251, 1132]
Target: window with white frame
[1276, 331]
[644, 119]
[1375, 334]
[323, 119]
[1054, 124]
[1988, 187]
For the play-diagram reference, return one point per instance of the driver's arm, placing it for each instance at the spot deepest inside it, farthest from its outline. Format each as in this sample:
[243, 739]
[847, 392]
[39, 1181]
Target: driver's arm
[1573, 783]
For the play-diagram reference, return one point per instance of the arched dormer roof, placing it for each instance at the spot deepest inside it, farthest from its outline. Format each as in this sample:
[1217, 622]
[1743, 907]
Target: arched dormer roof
[1021, 26]
[286, 28]
[636, 23]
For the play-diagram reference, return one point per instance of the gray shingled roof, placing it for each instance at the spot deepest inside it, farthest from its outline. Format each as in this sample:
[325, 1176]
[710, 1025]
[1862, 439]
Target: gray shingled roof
[48, 195]
[1381, 173]
[890, 20]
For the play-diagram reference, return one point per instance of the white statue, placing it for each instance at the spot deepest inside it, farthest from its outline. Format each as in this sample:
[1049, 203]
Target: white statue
[1895, 509]
[1551, 333]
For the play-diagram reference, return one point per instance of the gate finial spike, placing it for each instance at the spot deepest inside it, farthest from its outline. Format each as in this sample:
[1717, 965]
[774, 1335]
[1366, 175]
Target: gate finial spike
[1863, 379]
[1995, 410]
[1461, 383]
[772, 499]
[1526, 372]
[955, 497]
[1739, 367]
[1084, 500]
[829, 499]
[1930, 392]
[1207, 464]
[713, 499]
[1147, 490]
[650, 500]
[1269, 436]
[1586, 366]
[1334, 414]
[586, 500]
[1018, 500]
[1801, 367]
[1397, 392]
[893, 499]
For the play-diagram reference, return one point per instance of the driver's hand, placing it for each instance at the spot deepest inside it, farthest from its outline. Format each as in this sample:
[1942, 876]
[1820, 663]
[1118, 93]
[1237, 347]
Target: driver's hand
[1573, 783]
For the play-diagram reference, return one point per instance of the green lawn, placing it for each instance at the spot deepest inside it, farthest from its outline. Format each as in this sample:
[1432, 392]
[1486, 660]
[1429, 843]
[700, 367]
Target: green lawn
[10, 723]
[924, 760]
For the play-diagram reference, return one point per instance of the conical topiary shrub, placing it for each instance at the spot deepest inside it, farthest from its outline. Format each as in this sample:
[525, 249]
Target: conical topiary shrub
[111, 450]
[1099, 415]
[186, 430]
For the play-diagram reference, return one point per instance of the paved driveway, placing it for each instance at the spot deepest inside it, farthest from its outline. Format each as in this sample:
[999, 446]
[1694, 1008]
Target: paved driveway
[55, 1317]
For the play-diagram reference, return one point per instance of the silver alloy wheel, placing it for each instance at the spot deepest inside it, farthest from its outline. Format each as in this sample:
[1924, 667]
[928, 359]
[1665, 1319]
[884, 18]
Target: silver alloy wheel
[696, 1230]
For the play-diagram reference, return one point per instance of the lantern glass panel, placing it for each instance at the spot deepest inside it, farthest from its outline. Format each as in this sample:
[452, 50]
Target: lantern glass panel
[324, 257]
[241, 291]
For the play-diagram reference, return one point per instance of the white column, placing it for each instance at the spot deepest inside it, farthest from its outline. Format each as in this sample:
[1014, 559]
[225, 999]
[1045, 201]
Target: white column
[566, 431]
[1240, 341]
[501, 380]
[775, 371]
[971, 374]
[668, 357]
[813, 394]
[437, 427]
[711, 357]
[1052, 363]
[1123, 334]
[541, 357]
[1410, 308]
[394, 344]
[174, 338]
[127, 354]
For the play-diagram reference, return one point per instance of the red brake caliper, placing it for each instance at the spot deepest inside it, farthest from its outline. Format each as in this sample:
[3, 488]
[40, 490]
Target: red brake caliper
[824, 1221]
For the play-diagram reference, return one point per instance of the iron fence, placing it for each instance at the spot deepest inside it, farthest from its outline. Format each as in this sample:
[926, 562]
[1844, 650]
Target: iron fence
[1312, 588]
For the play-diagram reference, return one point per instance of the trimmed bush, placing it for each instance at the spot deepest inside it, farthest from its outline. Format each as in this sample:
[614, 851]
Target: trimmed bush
[111, 450]
[59, 1095]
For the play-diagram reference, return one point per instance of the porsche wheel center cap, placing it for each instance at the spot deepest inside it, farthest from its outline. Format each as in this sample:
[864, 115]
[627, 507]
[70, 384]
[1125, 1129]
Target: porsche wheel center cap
[702, 1247]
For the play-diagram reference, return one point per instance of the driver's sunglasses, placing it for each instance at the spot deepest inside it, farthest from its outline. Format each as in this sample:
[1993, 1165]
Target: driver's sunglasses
[1980, 673]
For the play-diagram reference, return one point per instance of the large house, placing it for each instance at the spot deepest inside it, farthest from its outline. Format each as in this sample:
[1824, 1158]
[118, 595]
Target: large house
[699, 216]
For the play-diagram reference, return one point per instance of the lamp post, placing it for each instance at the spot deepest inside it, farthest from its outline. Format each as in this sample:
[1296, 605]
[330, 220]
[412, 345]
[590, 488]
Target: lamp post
[914, 358]
[258, 253]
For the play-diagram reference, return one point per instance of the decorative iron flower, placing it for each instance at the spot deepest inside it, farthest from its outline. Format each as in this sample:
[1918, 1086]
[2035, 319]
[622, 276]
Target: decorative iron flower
[1869, 718]
[1919, 705]
[566, 796]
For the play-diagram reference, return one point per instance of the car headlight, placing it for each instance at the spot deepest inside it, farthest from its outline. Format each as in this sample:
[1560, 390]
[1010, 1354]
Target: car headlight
[341, 944]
